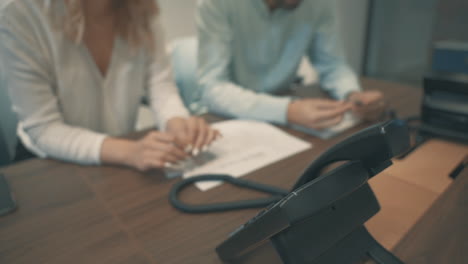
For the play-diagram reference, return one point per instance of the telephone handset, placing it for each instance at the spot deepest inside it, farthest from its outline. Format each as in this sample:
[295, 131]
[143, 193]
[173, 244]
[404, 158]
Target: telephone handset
[322, 219]
[374, 147]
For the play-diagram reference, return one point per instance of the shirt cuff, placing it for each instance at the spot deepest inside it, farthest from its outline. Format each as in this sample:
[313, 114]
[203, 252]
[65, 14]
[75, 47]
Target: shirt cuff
[172, 107]
[163, 118]
[345, 87]
[96, 149]
[274, 109]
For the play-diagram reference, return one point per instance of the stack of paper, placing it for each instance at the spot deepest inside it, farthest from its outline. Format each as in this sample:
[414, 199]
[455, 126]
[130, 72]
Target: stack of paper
[245, 146]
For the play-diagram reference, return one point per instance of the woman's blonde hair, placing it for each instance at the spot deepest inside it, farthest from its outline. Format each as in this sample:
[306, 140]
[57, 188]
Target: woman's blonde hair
[134, 20]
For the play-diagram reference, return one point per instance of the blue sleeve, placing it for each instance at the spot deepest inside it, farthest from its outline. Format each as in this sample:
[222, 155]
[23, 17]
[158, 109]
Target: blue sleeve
[327, 56]
[219, 92]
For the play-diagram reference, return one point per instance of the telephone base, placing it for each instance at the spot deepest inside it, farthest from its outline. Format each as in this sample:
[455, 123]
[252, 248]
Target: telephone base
[358, 247]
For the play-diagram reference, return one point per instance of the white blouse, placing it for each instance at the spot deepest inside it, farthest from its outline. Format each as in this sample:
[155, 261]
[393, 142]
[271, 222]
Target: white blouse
[66, 107]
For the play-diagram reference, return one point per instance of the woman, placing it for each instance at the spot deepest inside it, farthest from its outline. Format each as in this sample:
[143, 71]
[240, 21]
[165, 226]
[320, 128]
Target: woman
[76, 71]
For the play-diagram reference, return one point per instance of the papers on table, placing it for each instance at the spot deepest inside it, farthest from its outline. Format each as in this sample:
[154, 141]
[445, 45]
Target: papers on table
[348, 122]
[246, 146]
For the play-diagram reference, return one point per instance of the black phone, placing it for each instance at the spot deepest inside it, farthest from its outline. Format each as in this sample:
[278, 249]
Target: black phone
[7, 201]
[307, 225]
[375, 146]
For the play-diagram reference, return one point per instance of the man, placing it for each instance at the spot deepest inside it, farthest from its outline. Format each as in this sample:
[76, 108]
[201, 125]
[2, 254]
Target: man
[249, 50]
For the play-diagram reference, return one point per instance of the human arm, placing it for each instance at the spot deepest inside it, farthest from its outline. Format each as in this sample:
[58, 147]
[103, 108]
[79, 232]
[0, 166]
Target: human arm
[336, 77]
[29, 79]
[26, 53]
[219, 92]
[327, 56]
[192, 133]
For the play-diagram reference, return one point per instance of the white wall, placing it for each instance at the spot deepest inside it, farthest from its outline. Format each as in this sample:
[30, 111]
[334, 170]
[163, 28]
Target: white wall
[178, 18]
[353, 18]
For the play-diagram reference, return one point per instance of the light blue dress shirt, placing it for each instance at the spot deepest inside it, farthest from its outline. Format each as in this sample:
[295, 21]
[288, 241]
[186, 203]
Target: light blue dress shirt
[246, 53]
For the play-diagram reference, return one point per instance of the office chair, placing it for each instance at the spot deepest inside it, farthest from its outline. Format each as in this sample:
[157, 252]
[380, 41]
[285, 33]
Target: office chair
[8, 123]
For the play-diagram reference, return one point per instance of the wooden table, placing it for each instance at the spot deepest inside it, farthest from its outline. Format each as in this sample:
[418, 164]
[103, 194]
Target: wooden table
[441, 235]
[75, 214]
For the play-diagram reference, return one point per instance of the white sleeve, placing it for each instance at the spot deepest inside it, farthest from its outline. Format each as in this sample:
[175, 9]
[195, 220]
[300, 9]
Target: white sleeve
[163, 95]
[28, 79]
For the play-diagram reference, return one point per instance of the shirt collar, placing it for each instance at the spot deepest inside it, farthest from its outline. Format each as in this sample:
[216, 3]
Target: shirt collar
[265, 12]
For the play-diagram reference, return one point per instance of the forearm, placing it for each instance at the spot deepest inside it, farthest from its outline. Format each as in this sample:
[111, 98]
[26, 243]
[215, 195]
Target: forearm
[164, 110]
[60, 141]
[220, 92]
[228, 99]
[339, 81]
[117, 151]
[328, 56]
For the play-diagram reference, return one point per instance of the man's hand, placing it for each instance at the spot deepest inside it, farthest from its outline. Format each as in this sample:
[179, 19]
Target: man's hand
[317, 113]
[192, 134]
[367, 105]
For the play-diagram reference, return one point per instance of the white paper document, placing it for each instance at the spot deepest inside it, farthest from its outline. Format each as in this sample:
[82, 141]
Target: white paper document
[349, 121]
[245, 146]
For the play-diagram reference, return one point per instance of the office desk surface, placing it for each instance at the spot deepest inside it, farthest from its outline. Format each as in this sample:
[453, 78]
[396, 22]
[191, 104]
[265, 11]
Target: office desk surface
[441, 235]
[74, 214]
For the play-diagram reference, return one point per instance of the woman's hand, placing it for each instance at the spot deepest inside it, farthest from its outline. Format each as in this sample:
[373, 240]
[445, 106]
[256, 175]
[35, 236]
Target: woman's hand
[192, 134]
[155, 150]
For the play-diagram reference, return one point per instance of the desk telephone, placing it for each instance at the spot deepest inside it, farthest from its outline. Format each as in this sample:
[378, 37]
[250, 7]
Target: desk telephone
[321, 220]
